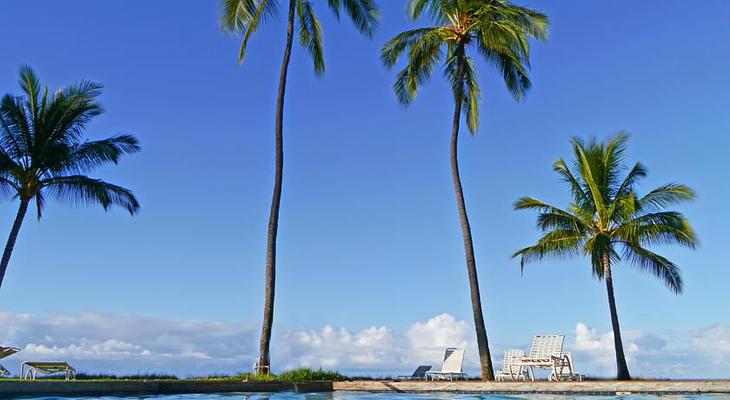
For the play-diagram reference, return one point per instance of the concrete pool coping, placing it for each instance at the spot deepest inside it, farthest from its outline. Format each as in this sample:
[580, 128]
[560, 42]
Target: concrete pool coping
[542, 387]
[25, 388]
[18, 388]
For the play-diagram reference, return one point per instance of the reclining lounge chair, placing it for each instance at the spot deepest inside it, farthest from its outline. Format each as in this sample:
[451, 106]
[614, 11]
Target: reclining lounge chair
[6, 352]
[451, 368]
[418, 374]
[29, 369]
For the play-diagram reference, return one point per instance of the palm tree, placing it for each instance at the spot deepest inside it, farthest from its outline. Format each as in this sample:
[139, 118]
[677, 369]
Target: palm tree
[42, 153]
[244, 17]
[499, 31]
[608, 221]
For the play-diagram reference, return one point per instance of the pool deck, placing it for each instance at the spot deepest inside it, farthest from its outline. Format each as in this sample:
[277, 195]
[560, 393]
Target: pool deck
[18, 388]
[589, 387]
[40, 388]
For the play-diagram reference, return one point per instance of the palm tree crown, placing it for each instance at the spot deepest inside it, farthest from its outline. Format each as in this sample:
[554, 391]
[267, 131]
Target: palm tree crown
[246, 16]
[607, 218]
[42, 152]
[497, 29]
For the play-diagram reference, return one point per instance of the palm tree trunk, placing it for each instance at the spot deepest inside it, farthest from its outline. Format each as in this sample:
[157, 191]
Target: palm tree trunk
[13, 236]
[485, 359]
[268, 320]
[622, 368]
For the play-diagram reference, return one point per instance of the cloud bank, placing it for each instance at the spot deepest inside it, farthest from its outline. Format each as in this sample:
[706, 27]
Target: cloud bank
[126, 344]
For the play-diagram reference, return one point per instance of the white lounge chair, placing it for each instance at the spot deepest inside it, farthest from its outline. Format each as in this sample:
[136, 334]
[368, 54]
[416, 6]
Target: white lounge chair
[544, 349]
[563, 369]
[451, 368]
[511, 368]
[418, 374]
[29, 369]
[6, 352]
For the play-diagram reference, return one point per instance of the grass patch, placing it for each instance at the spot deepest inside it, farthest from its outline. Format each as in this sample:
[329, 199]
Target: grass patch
[308, 375]
[294, 375]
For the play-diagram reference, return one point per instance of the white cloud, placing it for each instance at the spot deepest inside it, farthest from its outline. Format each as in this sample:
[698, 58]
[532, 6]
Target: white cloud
[129, 344]
[98, 342]
[704, 353]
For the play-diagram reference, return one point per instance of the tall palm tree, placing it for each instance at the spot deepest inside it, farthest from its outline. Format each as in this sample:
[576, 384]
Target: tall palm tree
[244, 17]
[42, 152]
[609, 222]
[499, 31]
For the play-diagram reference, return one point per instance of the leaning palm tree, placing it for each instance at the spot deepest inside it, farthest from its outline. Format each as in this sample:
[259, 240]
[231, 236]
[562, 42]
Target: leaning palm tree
[499, 31]
[609, 222]
[244, 17]
[42, 153]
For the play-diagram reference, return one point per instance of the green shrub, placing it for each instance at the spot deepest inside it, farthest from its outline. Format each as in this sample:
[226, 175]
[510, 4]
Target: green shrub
[308, 374]
[249, 377]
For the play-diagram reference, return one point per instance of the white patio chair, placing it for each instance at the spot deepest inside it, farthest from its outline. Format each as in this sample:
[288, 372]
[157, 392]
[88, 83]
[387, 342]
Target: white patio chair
[451, 368]
[544, 349]
[6, 352]
[563, 369]
[30, 369]
[511, 368]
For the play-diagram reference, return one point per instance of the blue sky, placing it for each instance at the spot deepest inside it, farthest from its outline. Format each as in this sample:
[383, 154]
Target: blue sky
[369, 234]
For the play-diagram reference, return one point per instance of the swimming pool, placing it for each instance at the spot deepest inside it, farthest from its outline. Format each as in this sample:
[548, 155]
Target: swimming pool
[394, 396]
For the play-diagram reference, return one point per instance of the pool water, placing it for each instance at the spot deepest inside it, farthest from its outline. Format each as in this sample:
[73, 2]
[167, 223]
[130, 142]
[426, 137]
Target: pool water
[394, 396]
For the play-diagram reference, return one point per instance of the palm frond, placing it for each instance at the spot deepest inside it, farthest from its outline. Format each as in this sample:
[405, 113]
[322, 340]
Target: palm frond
[79, 189]
[236, 15]
[40, 203]
[532, 22]
[472, 95]
[245, 17]
[514, 72]
[600, 247]
[613, 157]
[17, 133]
[559, 243]
[666, 195]
[424, 51]
[655, 264]
[434, 8]
[624, 203]
[582, 198]
[30, 85]
[310, 34]
[68, 112]
[394, 48]
[364, 13]
[87, 156]
[660, 228]
[588, 164]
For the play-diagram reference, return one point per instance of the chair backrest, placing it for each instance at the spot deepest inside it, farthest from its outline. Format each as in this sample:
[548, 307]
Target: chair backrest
[511, 357]
[544, 346]
[420, 372]
[453, 361]
[8, 351]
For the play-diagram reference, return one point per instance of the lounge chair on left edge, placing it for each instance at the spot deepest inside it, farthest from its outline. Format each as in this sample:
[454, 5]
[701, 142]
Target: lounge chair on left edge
[29, 369]
[6, 352]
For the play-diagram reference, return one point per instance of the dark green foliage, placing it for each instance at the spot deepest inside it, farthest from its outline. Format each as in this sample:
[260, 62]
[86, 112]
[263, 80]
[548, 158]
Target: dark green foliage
[245, 17]
[43, 152]
[308, 374]
[496, 29]
[608, 218]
